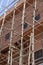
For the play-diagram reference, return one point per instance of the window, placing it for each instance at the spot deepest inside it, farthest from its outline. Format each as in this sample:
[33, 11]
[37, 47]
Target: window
[38, 54]
[25, 25]
[7, 36]
[37, 17]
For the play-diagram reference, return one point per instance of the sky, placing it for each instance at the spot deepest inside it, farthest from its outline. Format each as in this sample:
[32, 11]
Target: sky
[4, 3]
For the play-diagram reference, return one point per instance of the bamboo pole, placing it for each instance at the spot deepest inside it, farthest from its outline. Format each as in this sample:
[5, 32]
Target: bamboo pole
[10, 45]
[33, 63]
[21, 50]
[29, 52]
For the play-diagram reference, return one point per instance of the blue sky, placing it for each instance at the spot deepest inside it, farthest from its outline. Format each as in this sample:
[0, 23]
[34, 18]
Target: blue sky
[4, 3]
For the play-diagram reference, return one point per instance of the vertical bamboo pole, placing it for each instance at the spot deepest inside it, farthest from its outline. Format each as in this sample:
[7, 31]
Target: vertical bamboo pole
[1, 29]
[29, 52]
[10, 46]
[21, 51]
[33, 63]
